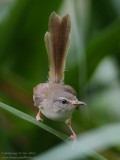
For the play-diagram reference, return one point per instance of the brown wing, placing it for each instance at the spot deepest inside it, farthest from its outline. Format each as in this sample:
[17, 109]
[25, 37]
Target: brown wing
[38, 94]
[70, 90]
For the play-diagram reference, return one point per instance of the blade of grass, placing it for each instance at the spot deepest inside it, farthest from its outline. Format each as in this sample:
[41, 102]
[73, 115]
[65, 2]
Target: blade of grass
[98, 139]
[33, 121]
[96, 155]
[42, 125]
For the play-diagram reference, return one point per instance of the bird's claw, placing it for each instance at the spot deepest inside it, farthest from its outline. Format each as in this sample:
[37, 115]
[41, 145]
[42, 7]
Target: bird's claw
[39, 119]
[73, 137]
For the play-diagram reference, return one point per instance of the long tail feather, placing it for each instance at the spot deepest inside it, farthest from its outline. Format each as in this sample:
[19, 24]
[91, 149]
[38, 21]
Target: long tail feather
[57, 44]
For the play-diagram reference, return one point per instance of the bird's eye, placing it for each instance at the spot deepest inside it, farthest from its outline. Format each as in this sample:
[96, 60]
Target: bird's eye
[64, 101]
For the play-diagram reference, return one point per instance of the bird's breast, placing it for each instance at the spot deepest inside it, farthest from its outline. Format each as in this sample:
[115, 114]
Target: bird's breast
[57, 113]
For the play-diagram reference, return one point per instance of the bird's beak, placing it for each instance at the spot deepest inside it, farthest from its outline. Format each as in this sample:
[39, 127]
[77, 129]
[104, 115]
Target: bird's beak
[75, 103]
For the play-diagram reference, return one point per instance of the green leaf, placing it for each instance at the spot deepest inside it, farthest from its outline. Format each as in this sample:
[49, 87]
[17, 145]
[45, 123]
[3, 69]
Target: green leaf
[98, 139]
[33, 121]
[41, 125]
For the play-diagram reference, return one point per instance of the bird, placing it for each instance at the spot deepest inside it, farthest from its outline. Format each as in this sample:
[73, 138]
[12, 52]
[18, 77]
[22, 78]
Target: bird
[55, 100]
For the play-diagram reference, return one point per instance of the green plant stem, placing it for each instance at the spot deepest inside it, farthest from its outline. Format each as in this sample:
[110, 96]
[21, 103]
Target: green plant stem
[32, 120]
[41, 125]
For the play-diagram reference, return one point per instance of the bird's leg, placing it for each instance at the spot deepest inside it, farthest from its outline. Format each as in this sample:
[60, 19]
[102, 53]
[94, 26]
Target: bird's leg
[73, 136]
[38, 117]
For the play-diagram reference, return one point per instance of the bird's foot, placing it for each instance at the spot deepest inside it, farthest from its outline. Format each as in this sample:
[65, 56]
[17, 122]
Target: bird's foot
[38, 118]
[73, 137]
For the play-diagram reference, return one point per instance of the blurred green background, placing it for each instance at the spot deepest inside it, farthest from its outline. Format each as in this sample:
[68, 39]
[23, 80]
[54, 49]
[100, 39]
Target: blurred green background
[93, 68]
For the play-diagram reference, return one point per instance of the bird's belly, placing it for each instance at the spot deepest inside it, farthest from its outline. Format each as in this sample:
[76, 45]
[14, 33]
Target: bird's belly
[57, 115]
